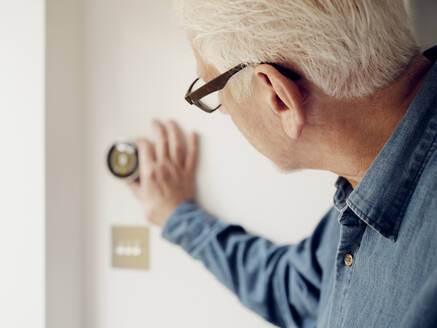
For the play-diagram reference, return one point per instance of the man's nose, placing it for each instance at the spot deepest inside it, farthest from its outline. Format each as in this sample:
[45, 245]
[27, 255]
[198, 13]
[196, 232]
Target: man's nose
[223, 110]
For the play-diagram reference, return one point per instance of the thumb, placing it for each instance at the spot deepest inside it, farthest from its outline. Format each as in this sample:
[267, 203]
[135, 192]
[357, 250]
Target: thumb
[135, 187]
[192, 152]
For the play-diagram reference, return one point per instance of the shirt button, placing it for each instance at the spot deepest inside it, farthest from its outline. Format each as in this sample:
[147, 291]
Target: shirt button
[348, 259]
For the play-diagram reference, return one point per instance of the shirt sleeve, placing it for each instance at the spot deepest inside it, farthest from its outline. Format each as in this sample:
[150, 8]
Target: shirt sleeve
[279, 282]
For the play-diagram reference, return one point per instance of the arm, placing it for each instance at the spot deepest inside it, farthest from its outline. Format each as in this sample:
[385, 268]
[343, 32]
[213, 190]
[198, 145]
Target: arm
[279, 282]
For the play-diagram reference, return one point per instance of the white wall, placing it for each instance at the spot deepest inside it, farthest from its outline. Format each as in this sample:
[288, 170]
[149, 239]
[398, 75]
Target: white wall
[424, 15]
[64, 73]
[137, 67]
[22, 164]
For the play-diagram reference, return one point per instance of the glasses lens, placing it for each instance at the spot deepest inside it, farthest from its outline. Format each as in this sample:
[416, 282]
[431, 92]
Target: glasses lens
[211, 100]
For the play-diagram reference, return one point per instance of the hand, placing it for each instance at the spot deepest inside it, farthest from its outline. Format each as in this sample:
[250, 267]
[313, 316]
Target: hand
[166, 171]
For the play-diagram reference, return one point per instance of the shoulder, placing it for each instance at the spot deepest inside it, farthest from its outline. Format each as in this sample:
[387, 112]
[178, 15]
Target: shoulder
[428, 178]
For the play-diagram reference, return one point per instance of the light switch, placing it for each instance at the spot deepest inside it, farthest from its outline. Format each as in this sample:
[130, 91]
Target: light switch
[130, 247]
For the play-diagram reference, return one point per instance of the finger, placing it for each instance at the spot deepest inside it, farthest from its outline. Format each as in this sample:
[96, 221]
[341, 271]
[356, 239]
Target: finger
[192, 152]
[134, 186]
[146, 151]
[146, 156]
[162, 152]
[176, 140]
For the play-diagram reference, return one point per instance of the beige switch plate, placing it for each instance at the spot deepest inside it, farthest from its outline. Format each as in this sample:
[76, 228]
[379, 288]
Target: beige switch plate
[130, 247]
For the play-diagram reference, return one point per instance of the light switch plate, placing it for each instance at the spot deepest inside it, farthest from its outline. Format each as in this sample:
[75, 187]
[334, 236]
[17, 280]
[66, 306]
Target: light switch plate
[130, 247]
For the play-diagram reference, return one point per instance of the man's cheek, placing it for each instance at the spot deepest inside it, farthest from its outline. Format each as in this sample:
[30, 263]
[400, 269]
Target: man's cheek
[226, 103]
[223, 110]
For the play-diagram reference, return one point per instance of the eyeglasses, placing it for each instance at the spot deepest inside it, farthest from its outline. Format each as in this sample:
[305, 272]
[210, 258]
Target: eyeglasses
[205, 95]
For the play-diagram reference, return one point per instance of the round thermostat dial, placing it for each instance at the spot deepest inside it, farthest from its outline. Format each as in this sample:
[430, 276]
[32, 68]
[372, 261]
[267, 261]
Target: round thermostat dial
[122, 160]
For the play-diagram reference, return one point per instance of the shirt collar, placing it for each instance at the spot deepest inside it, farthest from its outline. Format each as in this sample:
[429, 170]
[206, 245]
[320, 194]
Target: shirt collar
[381, 197]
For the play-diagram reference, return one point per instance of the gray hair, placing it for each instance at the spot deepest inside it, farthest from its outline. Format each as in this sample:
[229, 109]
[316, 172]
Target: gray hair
[348, 48]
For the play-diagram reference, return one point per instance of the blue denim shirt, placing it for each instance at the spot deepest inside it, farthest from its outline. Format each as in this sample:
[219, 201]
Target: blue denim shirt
[370, 262]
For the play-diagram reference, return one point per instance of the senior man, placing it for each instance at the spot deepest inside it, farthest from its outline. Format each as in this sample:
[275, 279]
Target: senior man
[335, 85]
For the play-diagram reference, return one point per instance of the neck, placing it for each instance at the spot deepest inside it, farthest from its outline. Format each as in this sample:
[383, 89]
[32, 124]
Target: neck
[350, 134]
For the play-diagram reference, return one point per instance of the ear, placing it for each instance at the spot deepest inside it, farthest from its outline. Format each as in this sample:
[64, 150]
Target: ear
[284, 98]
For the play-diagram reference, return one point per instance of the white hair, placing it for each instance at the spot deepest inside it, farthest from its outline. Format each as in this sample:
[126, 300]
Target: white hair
[348, 48]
